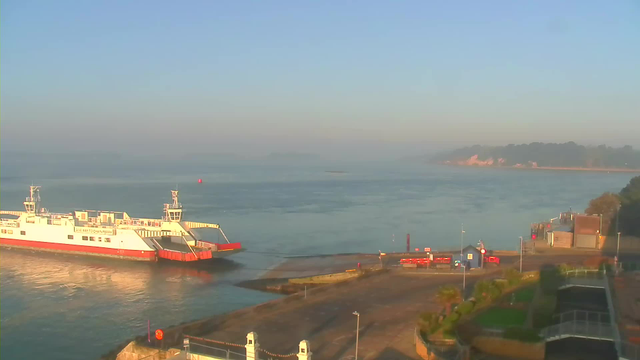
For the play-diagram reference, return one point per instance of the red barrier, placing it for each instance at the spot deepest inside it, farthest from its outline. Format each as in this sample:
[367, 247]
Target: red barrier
[232, 246]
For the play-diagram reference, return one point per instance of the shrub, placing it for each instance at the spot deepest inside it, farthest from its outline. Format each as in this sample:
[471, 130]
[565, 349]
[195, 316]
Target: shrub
[486, 290]
[563, 268]
[550, 280]
[513, 276]
[465, 308]
[543, 311]
[453, 318]
[501, 284]
[521, 334]
[449, 322]
[428, 322]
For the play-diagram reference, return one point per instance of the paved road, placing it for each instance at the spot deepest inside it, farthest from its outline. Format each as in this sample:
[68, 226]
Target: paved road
[389, 305]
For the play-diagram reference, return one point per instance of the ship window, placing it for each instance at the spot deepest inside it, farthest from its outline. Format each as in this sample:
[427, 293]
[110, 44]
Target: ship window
[70, 237]
[100, 238]
[92, 238]
[4, 231]
[107, 239]
[23, 233]
[83, 216]
[85, 238]
[9, 231]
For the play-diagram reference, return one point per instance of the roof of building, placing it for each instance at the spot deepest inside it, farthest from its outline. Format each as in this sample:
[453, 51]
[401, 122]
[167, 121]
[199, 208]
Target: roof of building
[471, 247]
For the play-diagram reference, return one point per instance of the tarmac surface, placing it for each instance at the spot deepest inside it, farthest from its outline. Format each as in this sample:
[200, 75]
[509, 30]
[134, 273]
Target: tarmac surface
[389, 305]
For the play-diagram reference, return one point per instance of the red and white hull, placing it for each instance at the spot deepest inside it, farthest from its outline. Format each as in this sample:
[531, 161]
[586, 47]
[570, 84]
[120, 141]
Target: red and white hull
[140, 255]
[111, 234]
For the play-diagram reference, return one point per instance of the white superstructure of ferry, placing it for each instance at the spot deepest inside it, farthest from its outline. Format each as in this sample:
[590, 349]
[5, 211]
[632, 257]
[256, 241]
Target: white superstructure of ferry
[111, 233]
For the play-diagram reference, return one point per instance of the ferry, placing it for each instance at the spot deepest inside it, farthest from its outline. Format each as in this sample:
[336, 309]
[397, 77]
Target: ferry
[111, 233]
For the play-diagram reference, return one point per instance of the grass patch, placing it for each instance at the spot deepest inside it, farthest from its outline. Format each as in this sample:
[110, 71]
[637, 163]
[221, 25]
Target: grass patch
[525, 295]
[501, 318]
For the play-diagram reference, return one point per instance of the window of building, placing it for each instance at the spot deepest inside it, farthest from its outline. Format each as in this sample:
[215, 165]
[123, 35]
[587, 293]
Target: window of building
[23, 232]
[92, 238]
[70, 237]
[107, 240]
[85, 238]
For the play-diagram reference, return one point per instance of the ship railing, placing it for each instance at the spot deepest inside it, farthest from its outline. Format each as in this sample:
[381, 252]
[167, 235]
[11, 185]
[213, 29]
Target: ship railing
[200, 225]
[155, 233]
[12, 213]
[139, 222]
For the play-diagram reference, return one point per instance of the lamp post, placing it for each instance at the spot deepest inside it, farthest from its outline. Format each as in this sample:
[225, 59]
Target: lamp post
[461, 239]
[617, 217]
[357, 331]
[464, 277]
[618, 247]
[521, 254]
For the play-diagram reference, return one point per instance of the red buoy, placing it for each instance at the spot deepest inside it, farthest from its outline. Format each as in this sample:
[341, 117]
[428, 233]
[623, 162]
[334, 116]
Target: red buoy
[199, 181]
[159, 334]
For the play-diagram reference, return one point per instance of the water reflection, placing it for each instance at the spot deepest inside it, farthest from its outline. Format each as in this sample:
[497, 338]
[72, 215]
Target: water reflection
[47, 271]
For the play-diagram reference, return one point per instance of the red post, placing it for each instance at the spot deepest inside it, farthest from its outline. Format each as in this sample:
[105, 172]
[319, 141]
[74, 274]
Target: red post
[149, 330]
[408, 242]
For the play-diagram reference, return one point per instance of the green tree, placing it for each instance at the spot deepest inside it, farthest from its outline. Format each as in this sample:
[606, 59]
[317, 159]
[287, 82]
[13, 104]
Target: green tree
[448, 295]
[630, 208]
[606, 205]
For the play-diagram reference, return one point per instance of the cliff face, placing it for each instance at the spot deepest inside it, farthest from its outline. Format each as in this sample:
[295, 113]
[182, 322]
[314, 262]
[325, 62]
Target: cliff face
[536, 155]
[473, 161]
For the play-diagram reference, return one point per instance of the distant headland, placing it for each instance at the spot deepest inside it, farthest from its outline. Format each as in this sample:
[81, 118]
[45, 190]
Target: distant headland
[549, 156]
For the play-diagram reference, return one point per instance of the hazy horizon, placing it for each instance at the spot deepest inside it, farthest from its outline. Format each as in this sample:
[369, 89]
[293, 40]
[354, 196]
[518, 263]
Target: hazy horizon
[339, 80]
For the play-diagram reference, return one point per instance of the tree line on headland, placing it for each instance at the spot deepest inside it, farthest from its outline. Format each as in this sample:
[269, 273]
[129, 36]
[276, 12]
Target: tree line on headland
[537, 154]
[619, 211]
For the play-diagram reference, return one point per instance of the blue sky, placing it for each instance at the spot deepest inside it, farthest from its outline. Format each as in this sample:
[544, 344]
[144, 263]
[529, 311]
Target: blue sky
[362, 76]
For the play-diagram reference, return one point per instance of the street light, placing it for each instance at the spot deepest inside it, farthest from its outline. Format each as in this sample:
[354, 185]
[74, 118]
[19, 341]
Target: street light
[464, 268]
[357, 331]
[464, 276]
[461, 239]
[618, 248]
[521, 254]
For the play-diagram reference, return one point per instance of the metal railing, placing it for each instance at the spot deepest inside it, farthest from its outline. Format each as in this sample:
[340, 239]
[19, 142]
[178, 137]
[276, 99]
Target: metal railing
[581, 315]
[579, 328]
[584, 273]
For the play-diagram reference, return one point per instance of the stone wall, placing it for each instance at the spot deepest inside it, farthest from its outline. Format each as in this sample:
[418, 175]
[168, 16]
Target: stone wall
[627, 244]
[325, 279]
[423, 348]
[134, 351]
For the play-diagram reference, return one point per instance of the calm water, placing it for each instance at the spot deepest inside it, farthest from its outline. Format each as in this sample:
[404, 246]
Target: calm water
[67, 307]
